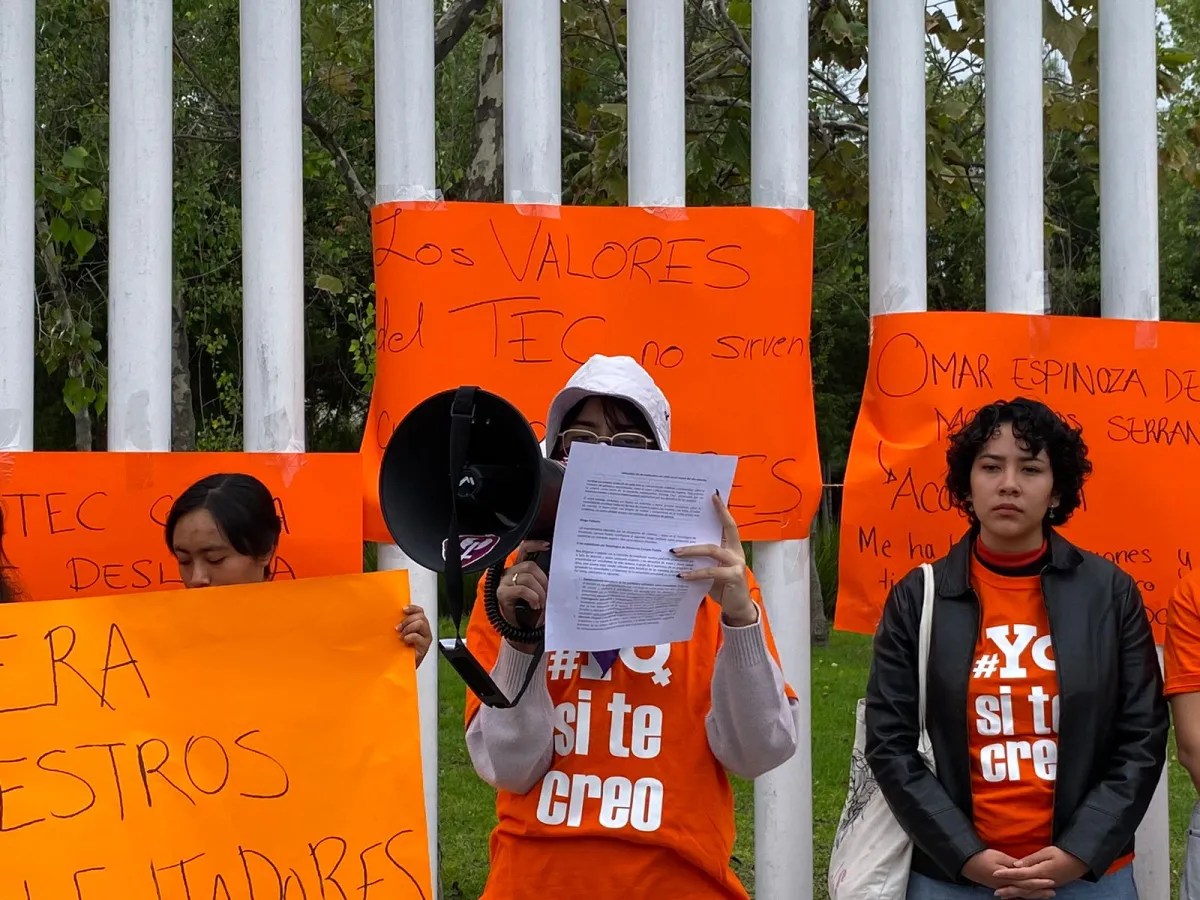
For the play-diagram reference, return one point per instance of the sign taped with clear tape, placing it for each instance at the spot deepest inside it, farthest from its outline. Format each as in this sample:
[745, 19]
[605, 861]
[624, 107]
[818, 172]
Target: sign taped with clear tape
[714, 303]
[91, 524]
[1133, 387]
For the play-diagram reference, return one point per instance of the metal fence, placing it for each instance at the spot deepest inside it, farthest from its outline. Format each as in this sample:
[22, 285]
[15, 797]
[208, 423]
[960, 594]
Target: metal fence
[140, 197]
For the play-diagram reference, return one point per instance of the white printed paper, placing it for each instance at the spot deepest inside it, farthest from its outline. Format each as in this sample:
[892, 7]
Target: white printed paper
[613, 580]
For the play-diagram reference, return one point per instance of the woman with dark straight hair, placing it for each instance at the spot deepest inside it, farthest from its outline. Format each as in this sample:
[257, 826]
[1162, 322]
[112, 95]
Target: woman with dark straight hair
[224, 530]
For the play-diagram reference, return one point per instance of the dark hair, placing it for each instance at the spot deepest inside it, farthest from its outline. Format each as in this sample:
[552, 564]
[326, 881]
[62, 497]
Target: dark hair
[1036, 427]
[242, 507]
[622, 414]
[8, 591]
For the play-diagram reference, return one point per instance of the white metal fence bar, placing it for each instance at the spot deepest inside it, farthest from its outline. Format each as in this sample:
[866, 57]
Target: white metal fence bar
[532, 98]
[657, 174]
[141, 191]
[272, 226]
[405, 149]
[405, 169]
[783, 816]
[17, 297]
[896, 156]
[273, 270]
[1129, 267]
[1128, 160]
[1014, 212]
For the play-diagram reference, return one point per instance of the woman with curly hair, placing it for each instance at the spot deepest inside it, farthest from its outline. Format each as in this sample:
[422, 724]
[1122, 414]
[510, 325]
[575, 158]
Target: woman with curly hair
[1040, 651]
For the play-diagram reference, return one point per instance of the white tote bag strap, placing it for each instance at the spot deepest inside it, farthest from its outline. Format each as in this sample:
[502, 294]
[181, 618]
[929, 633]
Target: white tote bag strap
[925, 639]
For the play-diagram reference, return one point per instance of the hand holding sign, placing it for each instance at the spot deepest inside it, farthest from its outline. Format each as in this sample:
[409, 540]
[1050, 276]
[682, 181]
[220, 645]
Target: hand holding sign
[232, 743]
[415, 632]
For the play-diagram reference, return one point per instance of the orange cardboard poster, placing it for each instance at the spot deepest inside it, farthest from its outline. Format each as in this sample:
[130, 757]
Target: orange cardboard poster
[1134, 388]
[91, 524]
[714, 303]
[231, 743]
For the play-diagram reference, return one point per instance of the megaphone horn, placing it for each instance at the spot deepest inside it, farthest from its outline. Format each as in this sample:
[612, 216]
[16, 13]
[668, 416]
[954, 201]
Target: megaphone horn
[504, 490]
[462, 483]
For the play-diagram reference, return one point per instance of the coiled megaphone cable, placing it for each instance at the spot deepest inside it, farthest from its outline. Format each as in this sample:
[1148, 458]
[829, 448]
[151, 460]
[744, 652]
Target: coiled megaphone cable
[491, 605]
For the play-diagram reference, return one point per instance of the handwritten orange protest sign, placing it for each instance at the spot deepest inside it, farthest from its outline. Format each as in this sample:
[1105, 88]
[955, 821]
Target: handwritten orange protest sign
[715, 303]
[233, 743]
[1134, 388]
[91, 524]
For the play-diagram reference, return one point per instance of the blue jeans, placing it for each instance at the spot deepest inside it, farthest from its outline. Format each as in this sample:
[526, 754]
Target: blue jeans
[1117, 886]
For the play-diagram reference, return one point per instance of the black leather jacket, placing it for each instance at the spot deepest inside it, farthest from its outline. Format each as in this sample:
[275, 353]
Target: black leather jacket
[1113, 718]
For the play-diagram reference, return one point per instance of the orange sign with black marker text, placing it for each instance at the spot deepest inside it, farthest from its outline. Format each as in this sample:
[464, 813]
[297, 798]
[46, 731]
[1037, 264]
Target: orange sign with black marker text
[714, 303]
[91, 524]
[232, 743]
[1134, 388]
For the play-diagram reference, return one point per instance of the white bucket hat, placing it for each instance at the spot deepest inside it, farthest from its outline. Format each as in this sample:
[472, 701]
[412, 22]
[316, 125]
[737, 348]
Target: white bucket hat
[612, 376]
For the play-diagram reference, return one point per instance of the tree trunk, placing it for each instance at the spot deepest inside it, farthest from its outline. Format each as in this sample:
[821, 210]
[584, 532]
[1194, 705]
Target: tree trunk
[485, 177]
[83, 417]
[183, 417]
[818, 623]
[453, 24]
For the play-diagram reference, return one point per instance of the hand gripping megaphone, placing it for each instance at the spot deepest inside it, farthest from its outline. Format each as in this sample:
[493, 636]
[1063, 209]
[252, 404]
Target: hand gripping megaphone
[462, 483]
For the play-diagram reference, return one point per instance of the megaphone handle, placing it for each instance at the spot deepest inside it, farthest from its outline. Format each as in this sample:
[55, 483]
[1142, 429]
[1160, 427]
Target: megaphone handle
[525, 630]
[527, 616]
[542, 558]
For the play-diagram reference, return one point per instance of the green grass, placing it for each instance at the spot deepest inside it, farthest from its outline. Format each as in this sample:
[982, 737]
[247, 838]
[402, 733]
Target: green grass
[839, 673]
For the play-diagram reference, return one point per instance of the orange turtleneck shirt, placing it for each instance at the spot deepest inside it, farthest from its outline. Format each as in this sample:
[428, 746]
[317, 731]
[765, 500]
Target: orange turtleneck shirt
[1013, 705]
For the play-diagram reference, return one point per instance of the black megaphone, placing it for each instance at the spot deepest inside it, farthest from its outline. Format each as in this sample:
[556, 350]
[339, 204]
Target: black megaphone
[462, 483]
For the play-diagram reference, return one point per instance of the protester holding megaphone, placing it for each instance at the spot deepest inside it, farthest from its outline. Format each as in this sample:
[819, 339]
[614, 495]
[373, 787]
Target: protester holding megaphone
[612, 766]
[224, 530]
[522, 592]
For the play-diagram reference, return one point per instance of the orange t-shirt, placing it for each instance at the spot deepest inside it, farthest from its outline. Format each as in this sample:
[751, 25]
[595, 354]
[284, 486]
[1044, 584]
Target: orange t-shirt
[634, 804]
[1181, 652]
[1012, 702]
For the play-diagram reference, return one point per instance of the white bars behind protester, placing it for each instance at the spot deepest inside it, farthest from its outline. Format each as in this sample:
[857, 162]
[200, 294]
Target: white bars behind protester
[18, 300]
[1128, 161]
[141, 186]
[1014, 211]
[532, 98]
[1129, 268]
[896, 156]
[405, 169]
[272, 227]
[783, 844]
[657, 174]
[405, 149]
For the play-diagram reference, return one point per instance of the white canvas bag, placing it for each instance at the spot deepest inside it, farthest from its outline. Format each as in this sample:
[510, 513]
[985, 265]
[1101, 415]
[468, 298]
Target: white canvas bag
[871, 851]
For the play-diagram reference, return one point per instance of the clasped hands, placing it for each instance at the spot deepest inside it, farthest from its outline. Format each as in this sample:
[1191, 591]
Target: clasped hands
[1032, 878]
